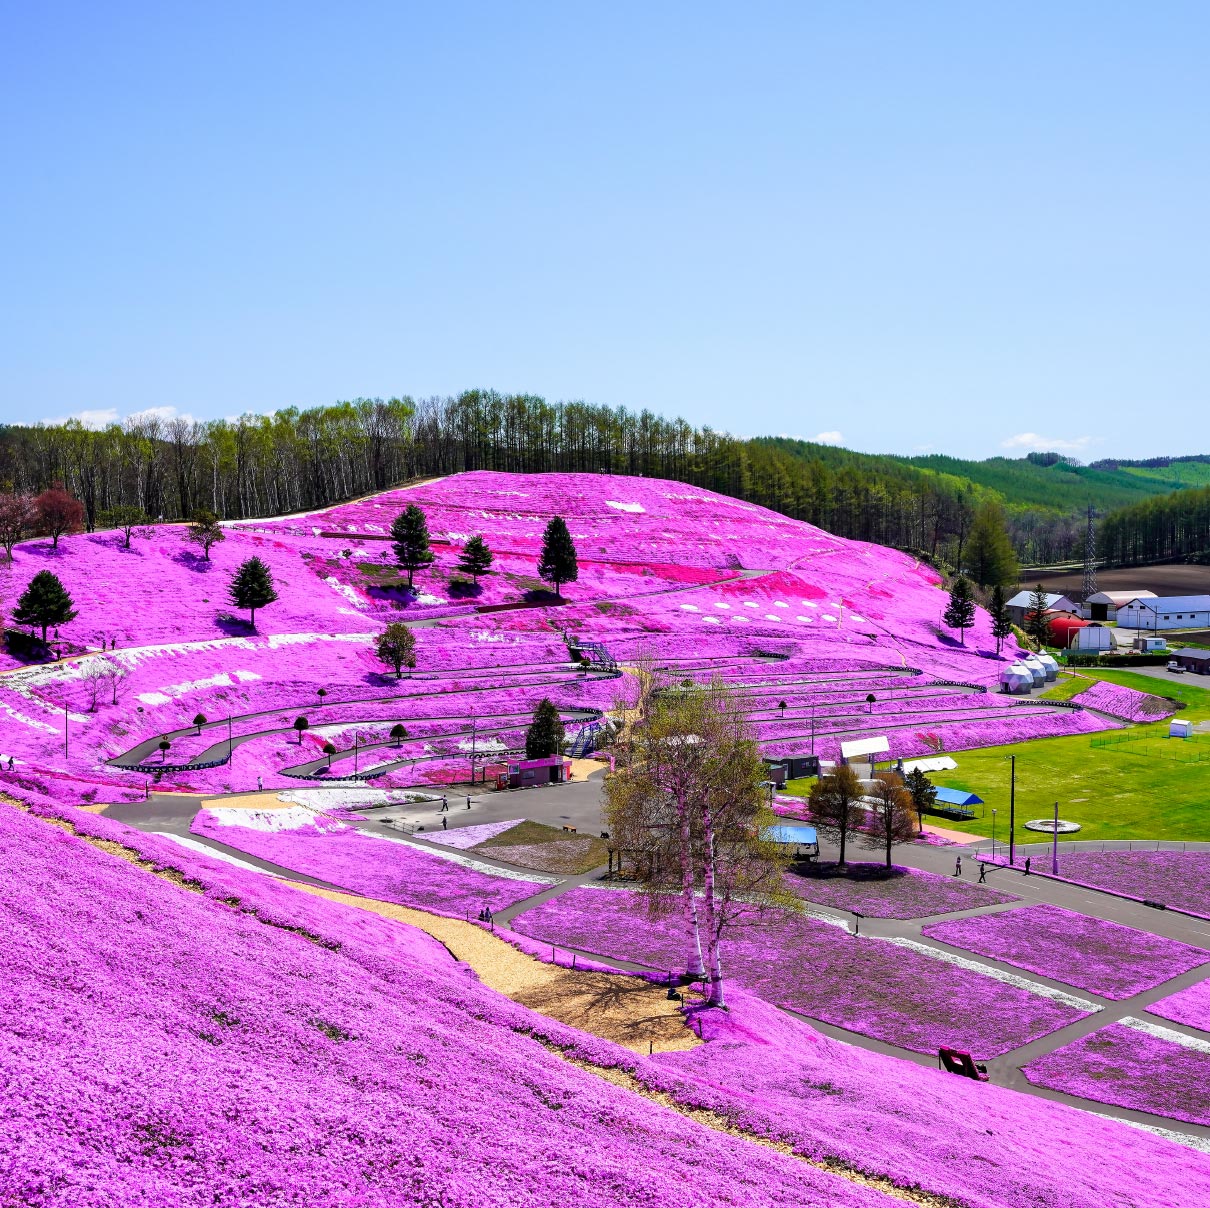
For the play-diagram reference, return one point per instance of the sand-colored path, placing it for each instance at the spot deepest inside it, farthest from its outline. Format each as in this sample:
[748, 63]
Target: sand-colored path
[618, 1007]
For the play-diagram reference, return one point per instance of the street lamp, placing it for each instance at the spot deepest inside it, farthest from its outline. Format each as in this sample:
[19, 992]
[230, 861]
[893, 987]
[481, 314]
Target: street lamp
[1054, 845]
[993, 834]
[1012, 809]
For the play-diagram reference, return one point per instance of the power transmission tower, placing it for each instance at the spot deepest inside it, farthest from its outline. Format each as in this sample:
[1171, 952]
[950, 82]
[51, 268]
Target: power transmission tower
[1090, 556]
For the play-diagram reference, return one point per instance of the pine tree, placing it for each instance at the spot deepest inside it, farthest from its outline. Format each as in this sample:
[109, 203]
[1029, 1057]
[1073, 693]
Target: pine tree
[923, 792]
[960, 612]
[205, 531]
[252, 587]
[476, 559]
[1002, 623]
[990, 556]
[410, 540]
[396, 646]
[45, 602]
[545, 734]
[1036, 624]
[558, 564]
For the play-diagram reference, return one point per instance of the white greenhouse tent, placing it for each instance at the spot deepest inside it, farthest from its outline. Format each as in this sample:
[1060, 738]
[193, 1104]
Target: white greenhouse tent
[1035, 669]
[1049, 666]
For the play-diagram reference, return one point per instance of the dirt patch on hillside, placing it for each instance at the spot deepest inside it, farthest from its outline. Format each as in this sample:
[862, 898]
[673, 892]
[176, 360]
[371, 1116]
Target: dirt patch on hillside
[627, 1010]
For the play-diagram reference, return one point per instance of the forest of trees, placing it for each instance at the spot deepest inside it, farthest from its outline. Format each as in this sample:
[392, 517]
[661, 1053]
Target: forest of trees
[301, 459]
[1169, 527]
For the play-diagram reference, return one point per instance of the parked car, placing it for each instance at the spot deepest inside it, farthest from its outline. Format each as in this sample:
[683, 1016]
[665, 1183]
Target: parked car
[1175, 667]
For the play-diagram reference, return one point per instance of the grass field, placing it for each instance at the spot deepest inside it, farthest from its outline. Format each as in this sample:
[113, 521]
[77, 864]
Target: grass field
[1112, 794]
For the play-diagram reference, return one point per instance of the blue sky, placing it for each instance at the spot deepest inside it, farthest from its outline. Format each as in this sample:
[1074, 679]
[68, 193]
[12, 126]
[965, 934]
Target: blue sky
[927, 226]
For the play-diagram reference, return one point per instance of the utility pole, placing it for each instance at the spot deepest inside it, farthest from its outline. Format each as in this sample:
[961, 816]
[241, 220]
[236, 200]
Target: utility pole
[1012, 810]
[1054, 846]
[65, 731]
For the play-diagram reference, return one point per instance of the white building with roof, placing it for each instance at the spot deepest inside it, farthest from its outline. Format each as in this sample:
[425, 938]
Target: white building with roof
[1165, 612]
[1023, 603]
[1104, 605]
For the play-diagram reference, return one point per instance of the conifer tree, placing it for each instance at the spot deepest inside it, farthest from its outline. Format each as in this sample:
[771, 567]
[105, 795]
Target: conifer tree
[396, 646]
[923, 791]
[545, 734]
[45, 602]
[252, 587]
[1036, 624]
[476, 559]
[1002, 623]
[410, 540]
[990, 556]
[960, 612]
[557, 563]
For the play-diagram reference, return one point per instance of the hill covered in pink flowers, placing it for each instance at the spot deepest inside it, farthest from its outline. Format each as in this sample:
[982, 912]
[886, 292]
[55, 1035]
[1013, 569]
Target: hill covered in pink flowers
[808, 624]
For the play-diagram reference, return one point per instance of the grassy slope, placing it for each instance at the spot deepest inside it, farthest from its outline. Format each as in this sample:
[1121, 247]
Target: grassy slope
[1111, 794]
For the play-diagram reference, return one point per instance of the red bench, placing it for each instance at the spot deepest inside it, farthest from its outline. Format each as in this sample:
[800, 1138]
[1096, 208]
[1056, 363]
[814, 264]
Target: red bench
[963, 1064]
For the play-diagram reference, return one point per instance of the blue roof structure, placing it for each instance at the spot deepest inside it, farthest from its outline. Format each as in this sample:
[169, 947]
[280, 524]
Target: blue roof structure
[957, 797]
[791, 834]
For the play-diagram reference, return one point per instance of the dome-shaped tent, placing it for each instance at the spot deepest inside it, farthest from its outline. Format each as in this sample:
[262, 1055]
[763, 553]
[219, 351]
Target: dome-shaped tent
[1035, 669]
[1049, 666]
[1017, 678]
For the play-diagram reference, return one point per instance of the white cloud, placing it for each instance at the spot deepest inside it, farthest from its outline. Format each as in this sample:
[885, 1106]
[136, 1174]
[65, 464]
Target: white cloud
[1046, 444]
[160, 413]
[828, 438]
[90, 419]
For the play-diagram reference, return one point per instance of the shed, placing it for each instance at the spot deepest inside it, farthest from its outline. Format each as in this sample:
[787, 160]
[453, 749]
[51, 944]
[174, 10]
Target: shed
[526, 773]
[1180, 729]
[1192, 659]
[1094, 636]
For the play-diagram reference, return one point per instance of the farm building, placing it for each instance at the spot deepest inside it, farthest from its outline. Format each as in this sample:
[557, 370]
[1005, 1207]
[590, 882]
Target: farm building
[1192, 659]
[1063, 628]
[1022, 604]
[526, 773]
[1104, 605]
[1165, 612]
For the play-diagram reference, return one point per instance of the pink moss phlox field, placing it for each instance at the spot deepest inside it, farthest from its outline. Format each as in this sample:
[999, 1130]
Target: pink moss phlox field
[388, 869]
[1125, 703]
[1107, 958]
[1176, 878]
[1130, 1068]
[237, 1063]
[865, 985]
[1190, 1006]
[908, 893]
[981, 1144]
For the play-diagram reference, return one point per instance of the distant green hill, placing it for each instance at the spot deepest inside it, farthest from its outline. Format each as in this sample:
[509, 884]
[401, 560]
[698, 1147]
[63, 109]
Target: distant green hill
[1043, 482]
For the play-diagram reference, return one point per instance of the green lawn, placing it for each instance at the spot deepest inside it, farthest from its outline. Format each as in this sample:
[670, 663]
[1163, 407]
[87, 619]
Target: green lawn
[1111, 794]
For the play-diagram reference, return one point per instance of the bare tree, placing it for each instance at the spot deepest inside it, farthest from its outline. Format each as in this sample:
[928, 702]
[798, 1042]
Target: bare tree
[835, 806]
[17, 516]
[892, 818]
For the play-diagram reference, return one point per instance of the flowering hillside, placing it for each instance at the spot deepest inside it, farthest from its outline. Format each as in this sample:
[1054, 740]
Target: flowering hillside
[808, 624]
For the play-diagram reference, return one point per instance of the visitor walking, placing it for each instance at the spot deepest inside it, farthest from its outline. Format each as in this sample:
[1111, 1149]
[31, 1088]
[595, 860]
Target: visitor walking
[1027, 860]
[982, 871]
[445, 823]
[445, 806]
[957, 866]
[468, 801]
[260, 784]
